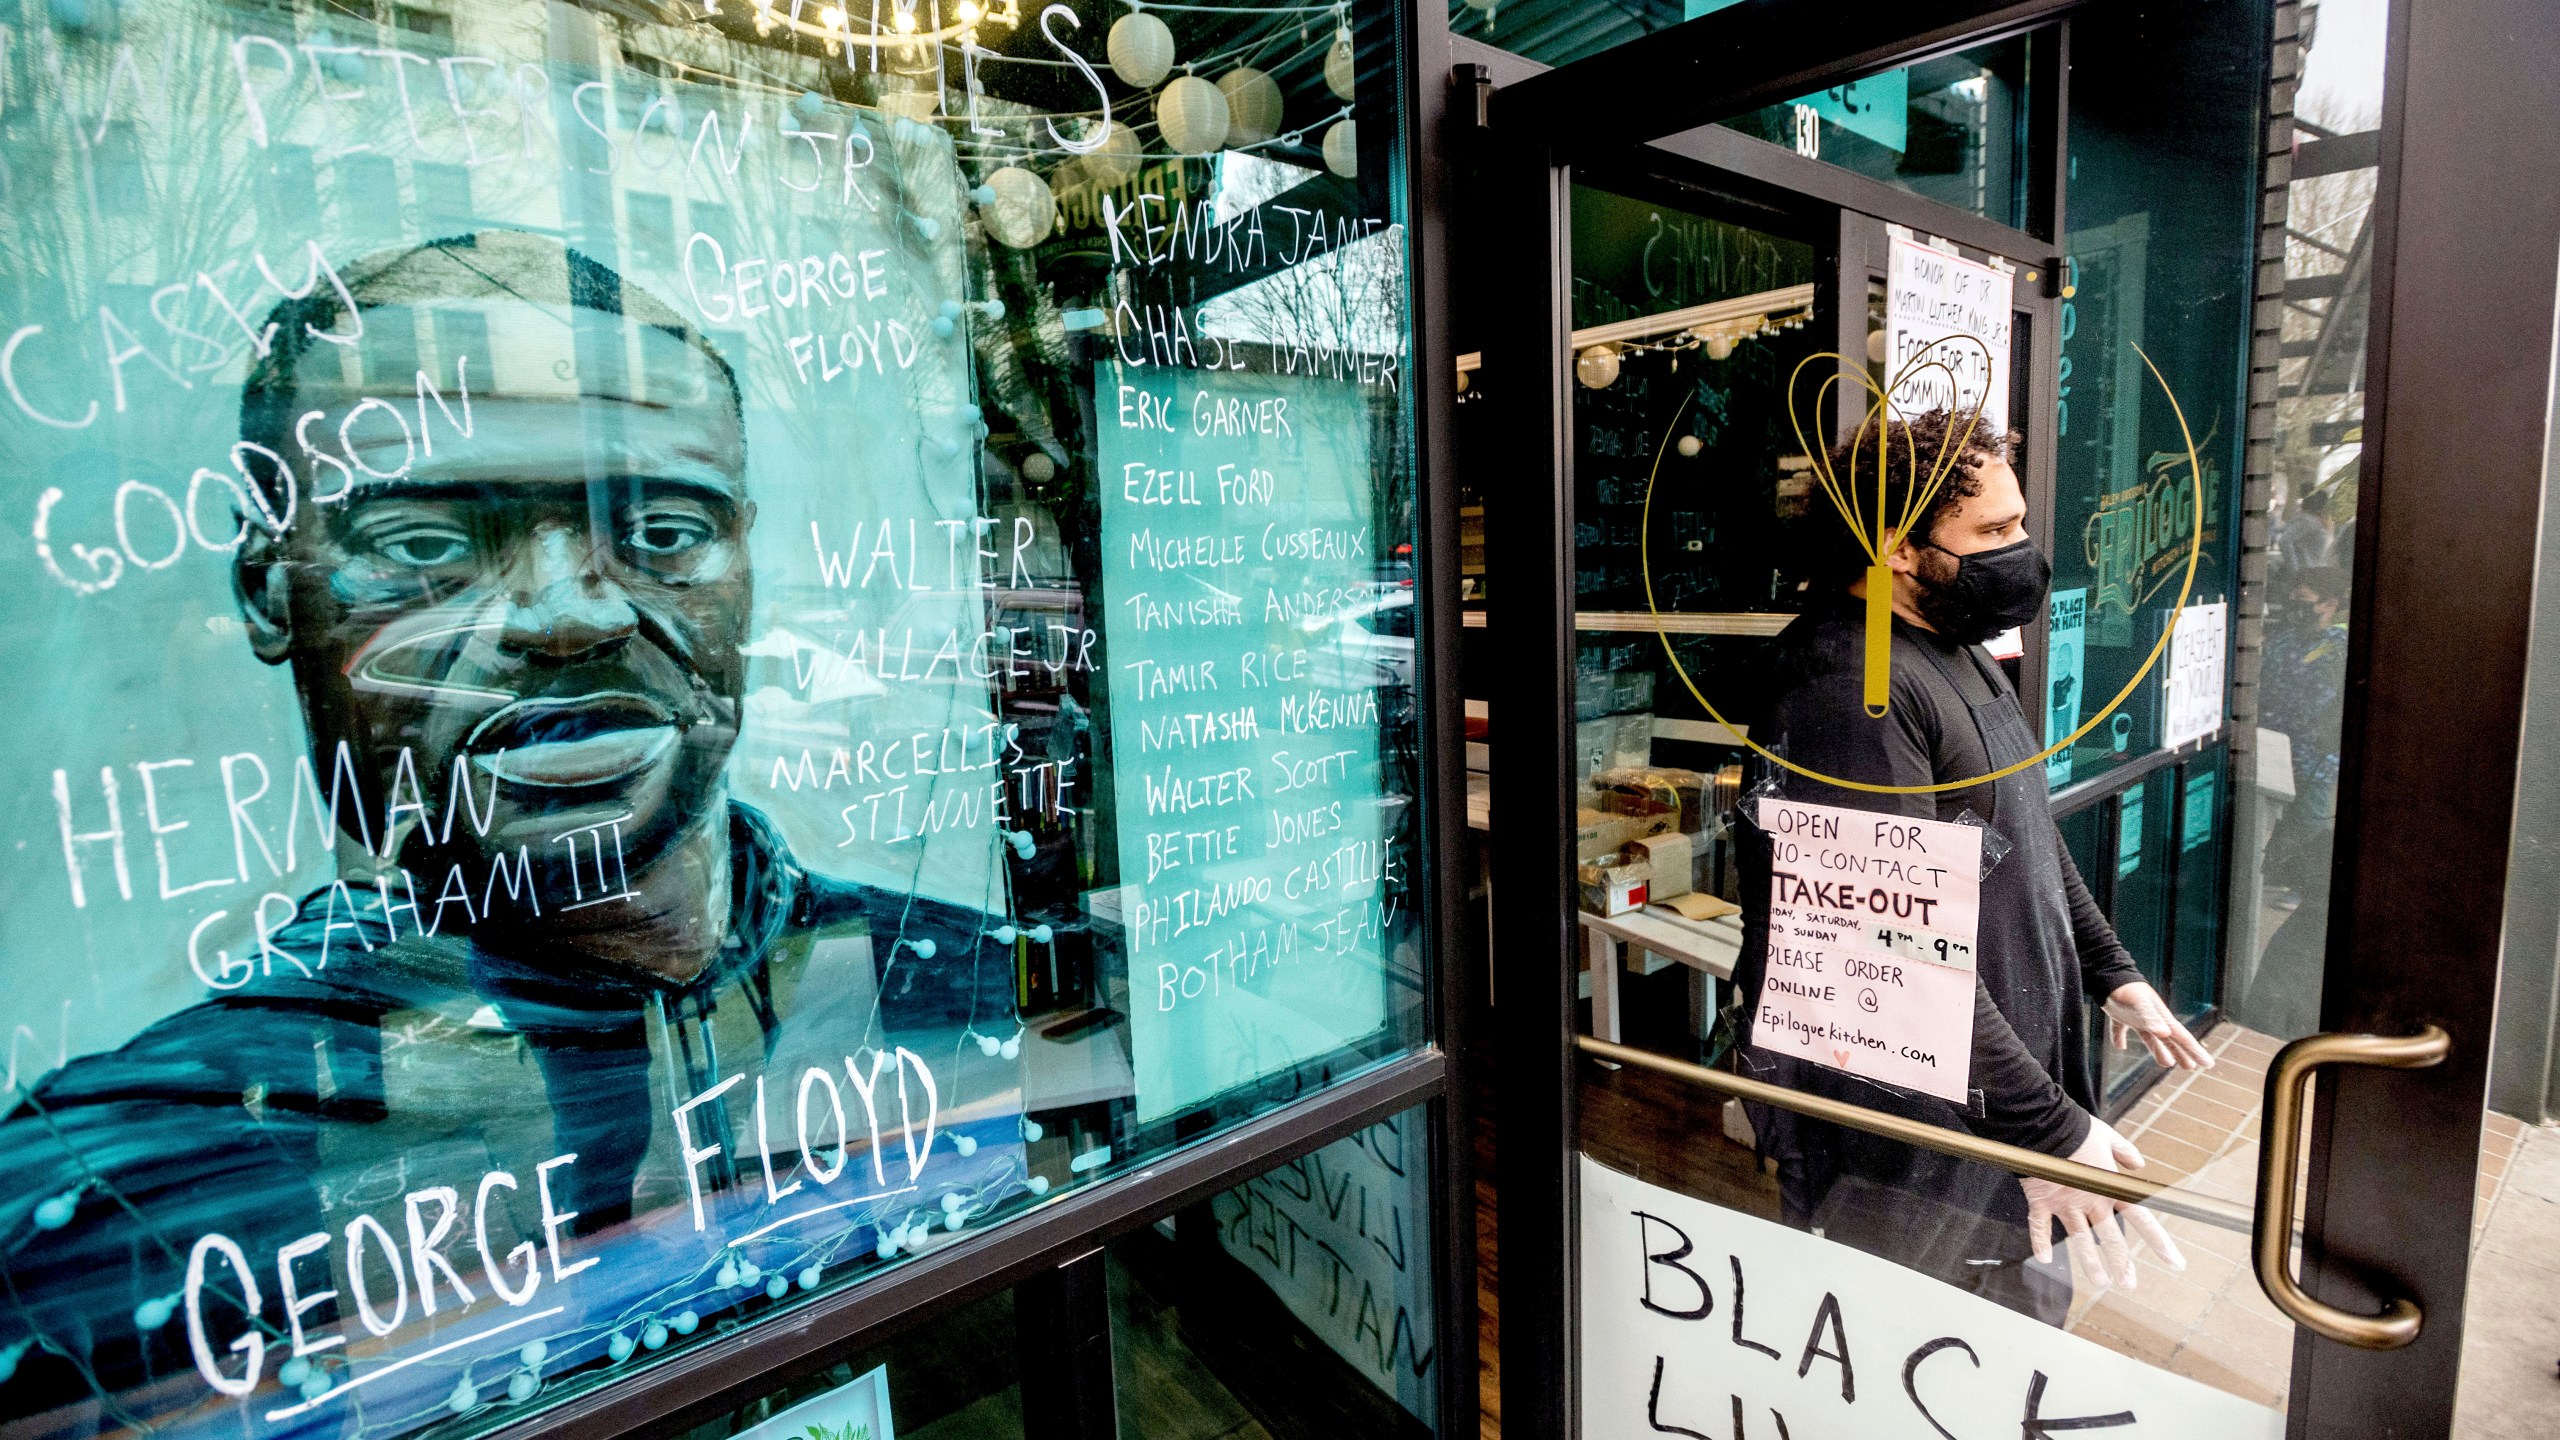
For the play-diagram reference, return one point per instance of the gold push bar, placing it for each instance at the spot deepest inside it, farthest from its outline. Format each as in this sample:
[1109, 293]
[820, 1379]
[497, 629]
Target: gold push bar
[2168, 1200]
[2279, 1160]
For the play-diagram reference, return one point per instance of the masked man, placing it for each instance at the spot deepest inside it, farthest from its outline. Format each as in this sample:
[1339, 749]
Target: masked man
[516, 1023]
[1965, 572]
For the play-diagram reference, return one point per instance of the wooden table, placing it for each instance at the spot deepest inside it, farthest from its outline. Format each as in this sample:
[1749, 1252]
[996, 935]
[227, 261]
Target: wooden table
[1663, 938]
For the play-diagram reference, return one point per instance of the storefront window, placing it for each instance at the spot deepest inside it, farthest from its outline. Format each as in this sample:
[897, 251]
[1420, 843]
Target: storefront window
[2311, 521]
[2161, 199]
[951, 1378]
[667, 658]
[1298, 1303]
[1555, 31]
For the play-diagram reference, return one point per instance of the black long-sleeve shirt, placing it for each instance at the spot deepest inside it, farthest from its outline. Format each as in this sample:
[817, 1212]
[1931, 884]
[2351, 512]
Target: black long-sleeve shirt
[2035, 1091]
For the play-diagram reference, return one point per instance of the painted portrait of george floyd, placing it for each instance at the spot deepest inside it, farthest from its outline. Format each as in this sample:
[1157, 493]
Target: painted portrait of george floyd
[560, 1050]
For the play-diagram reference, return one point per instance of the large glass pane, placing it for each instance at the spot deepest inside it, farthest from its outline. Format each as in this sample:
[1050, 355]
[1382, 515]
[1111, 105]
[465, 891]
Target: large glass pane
[1298, 1303]
[1555, 31]
[1919, 936]
[952, 1378]
[2157, 273]
[1953, 129]
[670, 655]
[2282, 886]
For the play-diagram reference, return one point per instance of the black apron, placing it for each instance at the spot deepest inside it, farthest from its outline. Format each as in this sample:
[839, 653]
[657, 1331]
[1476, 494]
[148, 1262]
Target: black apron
[1962, 1222]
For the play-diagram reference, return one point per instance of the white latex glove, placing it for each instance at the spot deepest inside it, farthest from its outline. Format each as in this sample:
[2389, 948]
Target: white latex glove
[2137, 1009]
[2089, 1221]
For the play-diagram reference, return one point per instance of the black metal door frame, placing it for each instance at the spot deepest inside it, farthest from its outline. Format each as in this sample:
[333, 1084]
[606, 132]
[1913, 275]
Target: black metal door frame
[2466, 275]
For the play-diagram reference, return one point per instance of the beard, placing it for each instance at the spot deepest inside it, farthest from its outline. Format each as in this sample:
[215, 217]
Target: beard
[1941, 603]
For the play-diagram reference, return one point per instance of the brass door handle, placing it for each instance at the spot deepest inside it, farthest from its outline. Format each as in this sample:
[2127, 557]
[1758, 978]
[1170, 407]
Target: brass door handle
[2279, 1161]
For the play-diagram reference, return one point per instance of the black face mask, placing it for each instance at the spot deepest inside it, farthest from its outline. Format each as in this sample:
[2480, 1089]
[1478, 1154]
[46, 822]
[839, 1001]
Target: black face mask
[1993, 591]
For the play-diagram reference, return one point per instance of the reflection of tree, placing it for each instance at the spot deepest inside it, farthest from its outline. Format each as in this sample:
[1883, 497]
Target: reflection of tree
[1335, 306]
[110, 188]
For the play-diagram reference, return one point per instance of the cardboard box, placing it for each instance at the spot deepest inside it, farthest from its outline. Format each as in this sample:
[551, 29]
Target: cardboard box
[1612, 888]
[1668, 859]
[1600, 835]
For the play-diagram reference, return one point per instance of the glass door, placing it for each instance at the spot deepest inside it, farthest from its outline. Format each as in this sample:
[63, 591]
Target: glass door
[1867, 1047]
[1856, 908]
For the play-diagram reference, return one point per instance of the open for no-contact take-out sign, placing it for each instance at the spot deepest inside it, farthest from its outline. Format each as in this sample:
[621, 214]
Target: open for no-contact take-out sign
[1872, 924]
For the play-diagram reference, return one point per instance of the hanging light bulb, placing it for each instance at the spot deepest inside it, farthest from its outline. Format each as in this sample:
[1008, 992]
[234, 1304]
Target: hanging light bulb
[1341, 68]
[1117, 159]
[1141, 49]
[1342, 149]
[1254, 106]
[1020, 211]
[1192, 115]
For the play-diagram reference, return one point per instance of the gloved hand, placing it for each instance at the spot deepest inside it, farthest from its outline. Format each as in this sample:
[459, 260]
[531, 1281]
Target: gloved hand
[2089, 1221]
[2137, 1009]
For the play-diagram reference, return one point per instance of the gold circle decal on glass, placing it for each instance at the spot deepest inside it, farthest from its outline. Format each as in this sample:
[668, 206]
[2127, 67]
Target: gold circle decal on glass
[2195, 553]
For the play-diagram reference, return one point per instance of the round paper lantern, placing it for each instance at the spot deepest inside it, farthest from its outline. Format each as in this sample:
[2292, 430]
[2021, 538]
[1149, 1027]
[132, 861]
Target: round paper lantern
[1039, 469]
[1192, 114]
[1141, 49]
[1118, 159]
[1597, 366]
[1253, 106]
[1690, 445]
[1340, 69]
[1342, 149]
[1022, 212]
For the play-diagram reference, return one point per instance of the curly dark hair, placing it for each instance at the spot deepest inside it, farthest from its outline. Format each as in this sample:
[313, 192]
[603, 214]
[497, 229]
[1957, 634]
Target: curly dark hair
[1828, 553]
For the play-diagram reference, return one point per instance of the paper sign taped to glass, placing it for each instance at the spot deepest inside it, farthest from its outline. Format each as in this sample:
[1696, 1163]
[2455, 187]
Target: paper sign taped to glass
[1698, 1320]
[1942, 307]
[1873, 920]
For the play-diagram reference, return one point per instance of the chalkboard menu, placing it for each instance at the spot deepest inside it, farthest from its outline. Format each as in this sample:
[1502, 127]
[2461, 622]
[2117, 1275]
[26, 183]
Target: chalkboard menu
[614, 657]
[1701, 434]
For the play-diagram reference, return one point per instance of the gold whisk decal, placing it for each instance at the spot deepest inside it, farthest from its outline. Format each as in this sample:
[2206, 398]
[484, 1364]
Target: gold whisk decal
[1875, 535]
[1880, 543]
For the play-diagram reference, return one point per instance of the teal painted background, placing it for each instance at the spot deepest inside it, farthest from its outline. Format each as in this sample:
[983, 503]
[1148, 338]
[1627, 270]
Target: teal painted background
[1243, 598]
